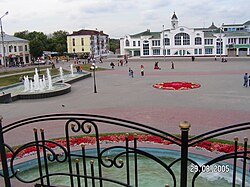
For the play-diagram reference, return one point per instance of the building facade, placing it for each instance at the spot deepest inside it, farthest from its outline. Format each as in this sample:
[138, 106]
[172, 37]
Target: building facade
[88, 42]
[227, 40]
[16, 51]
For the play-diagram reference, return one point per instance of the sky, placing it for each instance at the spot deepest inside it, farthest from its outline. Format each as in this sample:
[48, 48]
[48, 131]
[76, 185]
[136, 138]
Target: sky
[118, 18]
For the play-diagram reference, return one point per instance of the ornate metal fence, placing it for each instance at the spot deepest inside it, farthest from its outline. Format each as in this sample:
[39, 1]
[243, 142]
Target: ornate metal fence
[84, 169]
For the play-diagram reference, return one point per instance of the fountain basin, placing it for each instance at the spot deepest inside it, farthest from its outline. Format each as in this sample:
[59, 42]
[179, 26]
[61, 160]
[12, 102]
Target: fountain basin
[151, 174]
[59, 89]
[16, 91]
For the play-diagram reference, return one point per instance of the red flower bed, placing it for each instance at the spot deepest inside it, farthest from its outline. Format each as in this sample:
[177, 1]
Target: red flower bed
[210, 146]
[176, 85]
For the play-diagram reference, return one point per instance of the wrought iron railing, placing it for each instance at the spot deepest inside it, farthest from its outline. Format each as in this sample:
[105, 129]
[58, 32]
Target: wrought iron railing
[80, 174]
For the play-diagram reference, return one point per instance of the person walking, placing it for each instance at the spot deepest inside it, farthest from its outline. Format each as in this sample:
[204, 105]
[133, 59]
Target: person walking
[142, 70]
[245, 78]
[172, 65]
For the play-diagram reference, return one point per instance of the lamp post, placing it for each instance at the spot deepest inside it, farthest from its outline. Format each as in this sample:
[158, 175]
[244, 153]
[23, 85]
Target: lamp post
[93, 68]
[3, 51]
[220, 42]
[164, 50]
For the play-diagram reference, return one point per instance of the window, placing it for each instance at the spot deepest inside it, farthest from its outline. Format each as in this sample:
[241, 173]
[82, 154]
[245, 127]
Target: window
[242, 40]
[82, 41]
[182, 39]
[156, 43]
[134, 43]
[139, 44]
[73, 41]
[166, 41]
[10, 47]
[20, 48]
[208, 41]
[15, 49]
[208, 51]
[219, 47]
[26, 48]
[146, 48]
[127, 43]
[197, 51]
[82, 49]
[168, 52]
[197, 41]
[231, 40]
[156, 51]
[74, 50]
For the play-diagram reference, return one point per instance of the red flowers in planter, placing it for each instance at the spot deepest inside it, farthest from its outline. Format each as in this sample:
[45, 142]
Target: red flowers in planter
[115, 138]
[176, 85]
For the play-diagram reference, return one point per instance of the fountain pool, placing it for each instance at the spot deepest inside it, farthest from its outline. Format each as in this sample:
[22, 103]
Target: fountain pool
[41, 88]
[150, 172]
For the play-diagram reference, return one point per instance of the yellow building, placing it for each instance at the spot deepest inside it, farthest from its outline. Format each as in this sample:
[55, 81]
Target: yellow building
[88, 42]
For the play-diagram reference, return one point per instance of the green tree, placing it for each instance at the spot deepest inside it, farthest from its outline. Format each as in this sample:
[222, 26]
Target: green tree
[37, 41]
[114, 44]
[59, 41]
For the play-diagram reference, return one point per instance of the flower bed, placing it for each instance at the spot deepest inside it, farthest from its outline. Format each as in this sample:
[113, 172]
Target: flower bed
[115, 138]
[176, 85]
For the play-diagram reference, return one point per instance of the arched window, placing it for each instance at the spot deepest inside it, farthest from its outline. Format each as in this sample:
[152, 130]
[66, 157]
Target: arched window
[197, 41]
[166, 41]
[127, 43]
[182, 39]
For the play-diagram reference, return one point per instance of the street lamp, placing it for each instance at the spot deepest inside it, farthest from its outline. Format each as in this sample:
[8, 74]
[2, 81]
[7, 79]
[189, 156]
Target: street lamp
[220, 42]
[164, 50]
[6, 13]
[93, 68]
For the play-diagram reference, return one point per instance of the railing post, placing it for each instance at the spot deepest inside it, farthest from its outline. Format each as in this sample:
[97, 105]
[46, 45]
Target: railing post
[3, 157]
[184, 126]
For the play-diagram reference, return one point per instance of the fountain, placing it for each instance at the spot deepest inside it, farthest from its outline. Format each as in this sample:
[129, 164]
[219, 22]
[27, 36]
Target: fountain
[61, 74]
[71, 69]
[49, 80]
[36, 87]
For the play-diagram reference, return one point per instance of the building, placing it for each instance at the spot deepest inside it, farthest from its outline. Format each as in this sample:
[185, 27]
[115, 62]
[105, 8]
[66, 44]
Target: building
[16, 51]
[227, 40]
[88, 42]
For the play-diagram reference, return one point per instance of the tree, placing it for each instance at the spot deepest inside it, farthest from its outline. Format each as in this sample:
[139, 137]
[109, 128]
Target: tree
[59, 41]
[37, 41]
[114, 44]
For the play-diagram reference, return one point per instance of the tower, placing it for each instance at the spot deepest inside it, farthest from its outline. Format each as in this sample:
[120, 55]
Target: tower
[174, 21]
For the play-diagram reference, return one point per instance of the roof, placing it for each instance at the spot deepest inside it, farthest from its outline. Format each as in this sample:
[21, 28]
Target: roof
[212, 26]
[87, 32]
[174, 16]
[10, 38]
[147, 33]
[237, 33]
[247, 23]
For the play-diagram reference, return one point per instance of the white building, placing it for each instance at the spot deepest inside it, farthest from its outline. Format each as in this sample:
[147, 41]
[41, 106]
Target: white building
[16, 50]
[228, 40]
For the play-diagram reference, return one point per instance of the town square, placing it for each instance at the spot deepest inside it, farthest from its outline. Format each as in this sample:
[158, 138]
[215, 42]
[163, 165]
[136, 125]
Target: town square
[94, 101]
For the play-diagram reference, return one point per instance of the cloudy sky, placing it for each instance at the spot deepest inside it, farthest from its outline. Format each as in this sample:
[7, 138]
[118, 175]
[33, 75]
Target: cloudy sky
[118, 17]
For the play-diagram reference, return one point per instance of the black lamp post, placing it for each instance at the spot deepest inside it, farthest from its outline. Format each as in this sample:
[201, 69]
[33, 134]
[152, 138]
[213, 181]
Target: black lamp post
[94, 67]
[3, 51]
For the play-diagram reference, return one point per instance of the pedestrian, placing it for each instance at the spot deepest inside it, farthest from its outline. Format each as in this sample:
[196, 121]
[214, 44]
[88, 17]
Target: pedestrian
[193, 58]
[245, 80]
[249, 80]
[157, 66]
[132, 73]
[172, 65]
[142, 70]
[129, 71]
[112, 65]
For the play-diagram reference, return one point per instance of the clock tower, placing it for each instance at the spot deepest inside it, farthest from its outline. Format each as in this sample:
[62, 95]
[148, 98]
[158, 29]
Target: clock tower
[174, 21]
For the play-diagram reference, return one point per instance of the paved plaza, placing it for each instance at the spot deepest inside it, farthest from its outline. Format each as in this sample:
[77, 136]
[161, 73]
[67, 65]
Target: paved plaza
[220, 101]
